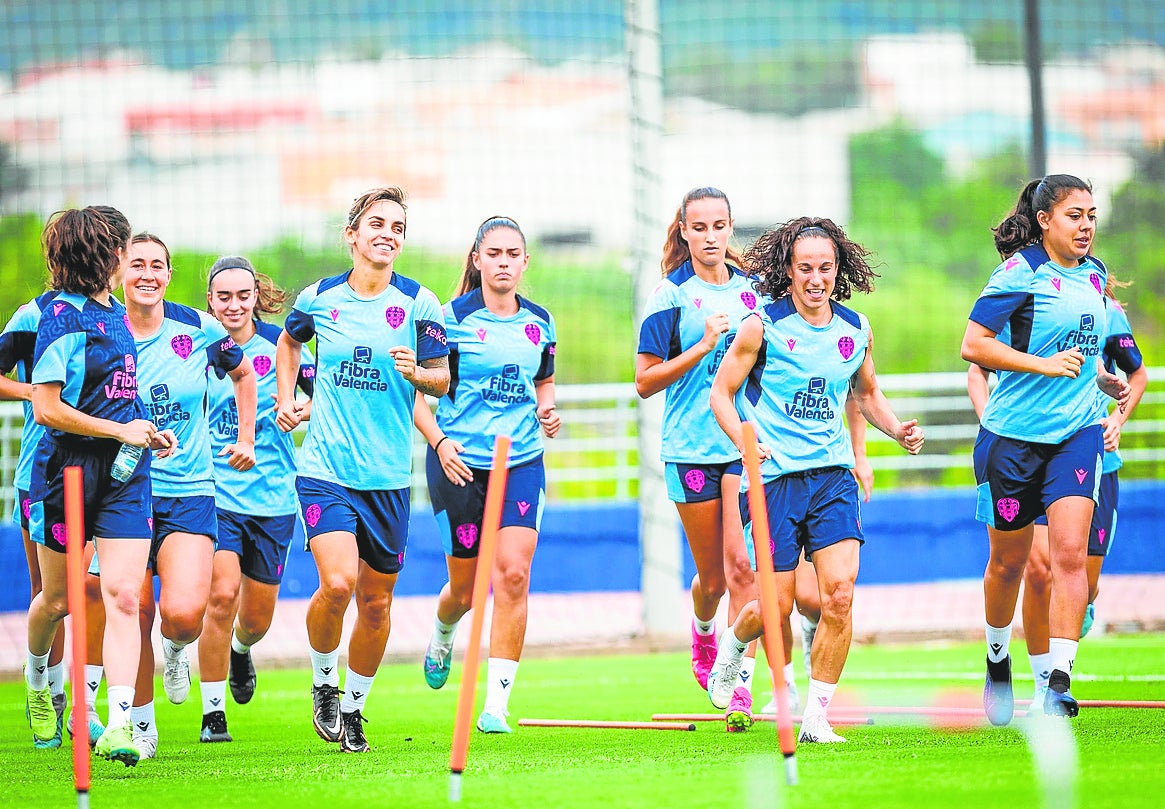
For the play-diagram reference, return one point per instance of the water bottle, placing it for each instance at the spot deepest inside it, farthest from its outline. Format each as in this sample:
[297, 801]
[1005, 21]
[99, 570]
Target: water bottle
[126, 462]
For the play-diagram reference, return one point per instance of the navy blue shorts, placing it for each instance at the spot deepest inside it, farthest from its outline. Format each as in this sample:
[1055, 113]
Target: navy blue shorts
[113, 510]
[1103, 529]
[261, 543]
[187, 515]
[811, 510]
[23, 507]
[378, 519]
[459, 509]
[1018, 480]
[697, 483]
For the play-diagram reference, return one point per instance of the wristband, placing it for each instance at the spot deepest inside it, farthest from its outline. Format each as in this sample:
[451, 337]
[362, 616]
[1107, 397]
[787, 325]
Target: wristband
[437, 446]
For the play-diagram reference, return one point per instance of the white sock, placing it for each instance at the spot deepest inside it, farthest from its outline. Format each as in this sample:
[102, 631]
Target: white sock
[500, 675]
[820, 695]
[57, 679]
[36, 673]
[144, 723]
[704, 627]
[734, 643]
[1063, 654]
[324, 667]
[998, 639]
[237, 645]
[170, 649]
[120, 704]
[356, 688]
[443, 635]
[214, 695]
[92, 683]
[790, 678]
[1041, 668]
[747, 667]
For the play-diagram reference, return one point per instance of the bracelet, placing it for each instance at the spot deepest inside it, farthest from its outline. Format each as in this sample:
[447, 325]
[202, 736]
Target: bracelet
[437, 446]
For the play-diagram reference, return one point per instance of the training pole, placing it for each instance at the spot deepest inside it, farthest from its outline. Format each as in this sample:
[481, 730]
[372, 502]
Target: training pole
[759, 717]
[75, 570]
[604, 724]
[770, 611]
[494, 496]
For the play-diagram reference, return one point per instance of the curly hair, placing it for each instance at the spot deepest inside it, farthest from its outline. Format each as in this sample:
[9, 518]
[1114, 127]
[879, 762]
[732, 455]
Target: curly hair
[1020, 227]
[269, 297]
[83, 248]
[771, 257]
[675, 248]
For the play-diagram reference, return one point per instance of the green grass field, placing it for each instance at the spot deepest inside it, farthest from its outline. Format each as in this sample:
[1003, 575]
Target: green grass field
[277, 761]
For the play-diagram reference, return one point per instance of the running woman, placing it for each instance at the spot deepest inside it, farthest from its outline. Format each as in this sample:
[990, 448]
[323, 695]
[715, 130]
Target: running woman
[1120, 351]
[379, 337]
[1040, 438]
[176, 346]
[688, 324]
[502, 347]
[256, 509]
[793, 365]
[85, 394]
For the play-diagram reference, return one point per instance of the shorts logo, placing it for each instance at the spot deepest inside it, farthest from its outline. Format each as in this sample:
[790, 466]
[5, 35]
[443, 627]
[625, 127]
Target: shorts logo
[1081, 474]
[1056, 283]
[262, 365]
[26, 508]
[160, 393]
[101, 326]
[846, 346]
[183, 346]
[523, 507]
[1008, 508]
[772, 548]
[59, 532]
[312, 514]
[1100, 532]
[695, 480]
[362, 354]
[1095, 279]
[748, 299]
[1087, 322]
[481, 335]
[400, 558]
[395, 316]
[791, 344]
[698, 302]
[150, 523]
[533, 333]
[467, 535]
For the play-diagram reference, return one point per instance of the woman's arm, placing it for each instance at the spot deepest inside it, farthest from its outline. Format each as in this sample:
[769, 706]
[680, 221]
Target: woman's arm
[653, 374]
[730, 376]
[242, 451]
[545, 410]
[288, 352]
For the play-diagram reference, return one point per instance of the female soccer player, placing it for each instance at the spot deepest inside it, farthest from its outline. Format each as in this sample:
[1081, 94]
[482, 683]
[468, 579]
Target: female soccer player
[1040, 439]
[85, 394]
[502, 346]
[1120, 351]
[256, 508]
[176, 344]
[379, 337]
[796, 361]
[688, 324]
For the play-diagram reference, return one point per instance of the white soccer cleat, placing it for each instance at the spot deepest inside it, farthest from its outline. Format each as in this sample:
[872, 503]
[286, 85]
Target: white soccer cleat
[148, 745]
[176, 677]
[794, 702]
[724, 674]
[816, 729]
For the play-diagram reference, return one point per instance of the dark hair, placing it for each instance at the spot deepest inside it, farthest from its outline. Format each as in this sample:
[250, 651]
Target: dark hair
[365, 201]
[675, 249]
[471, 275]
[144, 237]
[269, 297]
[1020, 227]
[81, 248]
[771, 256]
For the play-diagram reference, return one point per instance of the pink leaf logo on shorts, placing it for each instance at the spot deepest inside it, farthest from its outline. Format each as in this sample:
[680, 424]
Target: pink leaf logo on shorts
[262, 364]
[312, 515]
[467, 535]
[1081, 474]
[1095, 279]
[101, 326]
[1008, 508]
[400, 558]
[748, 299]
[523, 507]
[1100, 532]
[772, 548]
[183, 346]
[59, 532]
[695, 480]
[395, 316]
[846, 346]
[1056, 283]
[533, 333]
[150, 523]
[26, 508]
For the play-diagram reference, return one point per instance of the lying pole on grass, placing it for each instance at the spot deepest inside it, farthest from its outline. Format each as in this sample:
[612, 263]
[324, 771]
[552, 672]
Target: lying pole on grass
[760, 717]
[75, 572]
[597, 723]
[770, 611]
[494, 496]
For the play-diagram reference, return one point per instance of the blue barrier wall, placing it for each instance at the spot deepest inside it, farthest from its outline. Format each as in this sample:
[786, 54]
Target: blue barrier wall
[912, 536]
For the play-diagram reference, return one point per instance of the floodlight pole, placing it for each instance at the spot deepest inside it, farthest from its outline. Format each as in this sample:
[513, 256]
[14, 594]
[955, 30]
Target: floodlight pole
[1034, 59]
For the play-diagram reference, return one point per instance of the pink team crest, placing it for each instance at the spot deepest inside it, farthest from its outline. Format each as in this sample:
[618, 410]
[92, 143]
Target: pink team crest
[1008, 508]
[395, 316]
[57, 309]
[335, 313]
[312, 514]
[59, 532]
[533, 333]
[1081, 474]
[1056, 283]
[467, 535]
[695, 480]
[183, 346]
[26, 508]
[523, 507]
[1095, 279]
[791, 344]
[846, 346]
[262, 364]
[131, 367]
[481, 335]
[101, 326]
[1100, 532]
[748, 299]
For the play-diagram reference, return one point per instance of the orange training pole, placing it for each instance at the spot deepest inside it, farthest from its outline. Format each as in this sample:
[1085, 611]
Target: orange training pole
[494, 497]
[75, 567]
[770, 612]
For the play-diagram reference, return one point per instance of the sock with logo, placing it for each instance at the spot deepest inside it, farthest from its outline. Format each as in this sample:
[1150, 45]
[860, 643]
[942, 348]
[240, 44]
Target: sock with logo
[36, 672]
[120, 701]
[443, 635]
[214, 695]
[747, 667]
[237, 646]
[704, 627]
[170, 648]
[57, 679]
[998, 639]
[1063, 654]
[820, 695]
[92, 683]
[143, 720]
[356, 688]
[500, 675]
[1041, 668]
[325, 667]
[790, 678]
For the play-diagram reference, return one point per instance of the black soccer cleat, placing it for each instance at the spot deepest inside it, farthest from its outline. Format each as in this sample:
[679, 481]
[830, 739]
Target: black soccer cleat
[1058, 700]
[325, 714]
[214, 728]
[242, 677]
[353, 740]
